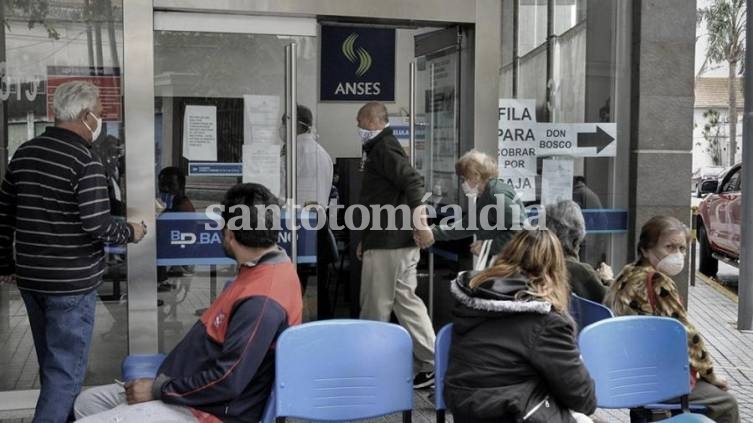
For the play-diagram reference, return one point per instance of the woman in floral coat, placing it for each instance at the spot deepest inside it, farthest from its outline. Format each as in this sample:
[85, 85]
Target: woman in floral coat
[646, 288]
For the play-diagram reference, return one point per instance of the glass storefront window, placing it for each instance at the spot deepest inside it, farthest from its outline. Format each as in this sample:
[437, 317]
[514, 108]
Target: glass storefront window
[576, 77]
[238, 82]
[42, 45]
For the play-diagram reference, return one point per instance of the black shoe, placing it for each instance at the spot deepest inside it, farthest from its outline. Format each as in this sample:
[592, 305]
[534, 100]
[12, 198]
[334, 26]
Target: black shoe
[423, 380]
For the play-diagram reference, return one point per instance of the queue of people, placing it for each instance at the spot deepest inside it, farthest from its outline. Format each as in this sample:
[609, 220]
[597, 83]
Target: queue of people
[514, 353]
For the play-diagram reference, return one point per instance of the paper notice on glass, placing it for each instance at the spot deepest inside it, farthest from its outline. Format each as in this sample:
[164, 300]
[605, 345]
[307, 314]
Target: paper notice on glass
[200, 133]
[261, 165]
[265, 134]
[261, 111]
[556, 181]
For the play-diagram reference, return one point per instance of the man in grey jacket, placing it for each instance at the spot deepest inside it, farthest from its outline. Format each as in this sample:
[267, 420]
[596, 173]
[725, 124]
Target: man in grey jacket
[390, 256]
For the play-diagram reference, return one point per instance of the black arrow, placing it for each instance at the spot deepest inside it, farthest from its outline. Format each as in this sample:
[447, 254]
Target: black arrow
[598, 139]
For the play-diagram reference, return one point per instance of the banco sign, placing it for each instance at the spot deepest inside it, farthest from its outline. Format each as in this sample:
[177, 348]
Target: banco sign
[357, 64]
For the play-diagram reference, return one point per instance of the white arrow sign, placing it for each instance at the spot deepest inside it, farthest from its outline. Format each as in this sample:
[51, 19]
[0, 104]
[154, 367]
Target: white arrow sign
[563, 139]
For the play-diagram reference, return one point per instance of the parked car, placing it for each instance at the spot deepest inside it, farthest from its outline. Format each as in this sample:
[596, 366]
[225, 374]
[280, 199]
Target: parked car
[703, 174]
[719, 217]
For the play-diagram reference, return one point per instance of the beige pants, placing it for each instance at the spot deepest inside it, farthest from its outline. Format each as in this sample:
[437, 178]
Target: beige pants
[388, 284]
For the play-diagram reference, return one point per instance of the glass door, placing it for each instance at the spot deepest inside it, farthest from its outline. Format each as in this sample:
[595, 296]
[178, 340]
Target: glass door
[226, 90]
[436, 111]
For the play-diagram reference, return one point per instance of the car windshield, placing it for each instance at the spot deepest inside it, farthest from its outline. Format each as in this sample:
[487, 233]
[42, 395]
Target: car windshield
[711, 171]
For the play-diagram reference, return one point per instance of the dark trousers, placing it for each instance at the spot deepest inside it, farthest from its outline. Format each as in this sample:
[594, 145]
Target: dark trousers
[722, 406]
[62, 329]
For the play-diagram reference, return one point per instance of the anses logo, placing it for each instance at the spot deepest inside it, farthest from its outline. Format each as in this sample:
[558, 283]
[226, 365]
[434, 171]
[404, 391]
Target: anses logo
[356, 54]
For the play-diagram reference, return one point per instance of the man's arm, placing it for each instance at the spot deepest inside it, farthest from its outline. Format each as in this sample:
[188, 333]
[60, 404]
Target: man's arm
[94, 207]
[7, 224]
[251, 331]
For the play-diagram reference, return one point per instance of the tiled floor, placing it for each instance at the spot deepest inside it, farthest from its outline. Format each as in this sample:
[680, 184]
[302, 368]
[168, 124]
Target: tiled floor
[713, 312]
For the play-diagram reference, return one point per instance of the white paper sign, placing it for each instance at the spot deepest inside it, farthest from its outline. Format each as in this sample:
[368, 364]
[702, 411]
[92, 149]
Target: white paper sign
[261, 165]
[200, 133]
[556, 181]
[516, 152]
[261, 118]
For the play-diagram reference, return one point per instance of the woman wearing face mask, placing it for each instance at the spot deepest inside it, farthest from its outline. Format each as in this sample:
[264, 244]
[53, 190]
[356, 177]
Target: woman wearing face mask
[478, 172]
[646, 288]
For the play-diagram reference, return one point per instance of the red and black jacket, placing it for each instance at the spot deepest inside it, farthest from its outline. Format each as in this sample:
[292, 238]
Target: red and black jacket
[224, 366]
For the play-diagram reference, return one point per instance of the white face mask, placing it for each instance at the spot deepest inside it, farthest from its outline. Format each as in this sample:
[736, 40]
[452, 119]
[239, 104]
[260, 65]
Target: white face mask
[366, 135]
[469, 190]
[95, 132]
[671, 264]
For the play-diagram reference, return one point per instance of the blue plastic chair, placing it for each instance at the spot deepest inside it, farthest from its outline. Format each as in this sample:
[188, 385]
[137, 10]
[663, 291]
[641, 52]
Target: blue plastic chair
[343, 370]
[138, 366]
[268, 415]
[638, 360]
[586, 312]
[441, 359]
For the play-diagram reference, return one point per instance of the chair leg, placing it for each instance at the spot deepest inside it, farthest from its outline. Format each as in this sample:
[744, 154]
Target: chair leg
[407, 416]
[440, 416]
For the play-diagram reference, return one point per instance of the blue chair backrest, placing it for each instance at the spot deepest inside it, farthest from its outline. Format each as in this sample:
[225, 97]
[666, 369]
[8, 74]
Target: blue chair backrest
[441, 359]
[138, 366]
[268, 414]
[636, 360]
[343, 370]
[586, 312]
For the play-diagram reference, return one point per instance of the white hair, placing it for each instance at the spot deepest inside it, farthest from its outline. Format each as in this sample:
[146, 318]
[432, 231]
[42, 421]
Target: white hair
[72, 98]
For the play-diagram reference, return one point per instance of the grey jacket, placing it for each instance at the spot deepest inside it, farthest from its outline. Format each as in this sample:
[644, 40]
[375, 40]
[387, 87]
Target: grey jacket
[495, 192]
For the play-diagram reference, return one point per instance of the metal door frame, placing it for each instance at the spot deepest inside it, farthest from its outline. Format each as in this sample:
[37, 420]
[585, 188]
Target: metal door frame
[138, 28]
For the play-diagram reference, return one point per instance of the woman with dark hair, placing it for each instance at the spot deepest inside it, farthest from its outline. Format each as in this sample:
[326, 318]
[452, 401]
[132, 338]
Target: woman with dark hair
[172, 190]
[171, 183]
[514, 355]
[646, 288]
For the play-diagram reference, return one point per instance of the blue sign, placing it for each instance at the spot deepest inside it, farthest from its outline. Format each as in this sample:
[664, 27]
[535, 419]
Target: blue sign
[605, 221]
[599, 221]
[182, 239]
[357, 63]
[215, 169]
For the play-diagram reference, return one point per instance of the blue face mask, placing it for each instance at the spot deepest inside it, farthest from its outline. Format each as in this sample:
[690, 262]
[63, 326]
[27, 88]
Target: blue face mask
[167, 198]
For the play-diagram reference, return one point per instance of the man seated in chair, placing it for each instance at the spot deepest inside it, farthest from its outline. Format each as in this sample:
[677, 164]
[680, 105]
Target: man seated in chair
[223, 368]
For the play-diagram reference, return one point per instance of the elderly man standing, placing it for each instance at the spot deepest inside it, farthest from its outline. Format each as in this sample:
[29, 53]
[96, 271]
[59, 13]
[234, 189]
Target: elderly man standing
[54, 199]
[390, 257]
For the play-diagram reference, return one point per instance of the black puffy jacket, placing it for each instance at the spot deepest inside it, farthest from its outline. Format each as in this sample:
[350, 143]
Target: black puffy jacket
[513, 360]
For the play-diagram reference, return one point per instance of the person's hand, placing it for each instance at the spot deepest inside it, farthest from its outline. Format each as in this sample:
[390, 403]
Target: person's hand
[359, 252]
[9, 279]
[605, 272]
[139, 390]
[476, 247]
[139, 230]
[424, 238]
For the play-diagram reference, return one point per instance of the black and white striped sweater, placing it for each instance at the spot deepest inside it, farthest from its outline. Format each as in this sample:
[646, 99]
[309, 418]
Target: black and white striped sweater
[54, 199]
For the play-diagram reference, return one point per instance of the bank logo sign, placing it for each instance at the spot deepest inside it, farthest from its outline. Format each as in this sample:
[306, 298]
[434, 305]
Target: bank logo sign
[357, 63]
